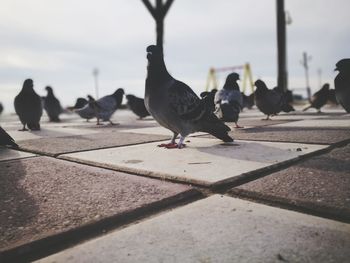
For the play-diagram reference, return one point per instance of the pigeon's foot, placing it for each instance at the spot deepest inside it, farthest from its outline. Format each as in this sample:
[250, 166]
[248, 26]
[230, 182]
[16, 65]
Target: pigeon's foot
[24, 129]
[267, 118]
[238, 127]
[180, 146]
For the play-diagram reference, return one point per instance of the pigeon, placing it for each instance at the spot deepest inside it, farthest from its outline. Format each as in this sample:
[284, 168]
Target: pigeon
[270, 102]
[1, 108]
[52, 105]
[331, 97]
[137, 106]
[28, 106]
[6, 139]
[107, 105]
[175, 106]
[229, 100]
[102, 108]
[319, 99]
[79, 103]
[88, 111]
[248, 101]
[208, 97]
[342, 83]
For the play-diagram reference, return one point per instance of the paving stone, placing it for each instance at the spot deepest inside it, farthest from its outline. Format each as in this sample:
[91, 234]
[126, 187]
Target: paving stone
[48, 132]
[219, 229]
[204, 161]
[68, 144]
[43, 196]
[292, 134]
[9, 154]
[321, 183]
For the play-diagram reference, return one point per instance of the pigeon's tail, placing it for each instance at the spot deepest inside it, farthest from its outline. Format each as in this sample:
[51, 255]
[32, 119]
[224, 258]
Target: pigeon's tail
[216, 128]
[34, 126]
[287, 108]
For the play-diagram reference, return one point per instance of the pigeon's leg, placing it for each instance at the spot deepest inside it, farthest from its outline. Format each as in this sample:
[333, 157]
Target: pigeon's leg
[98, 121]
[181, 144]
[267, 118]
[237, 126]
[171, 144]
[24, 128]
[112, 123]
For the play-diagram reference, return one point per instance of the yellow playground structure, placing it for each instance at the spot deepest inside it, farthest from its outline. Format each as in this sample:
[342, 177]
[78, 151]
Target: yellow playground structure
[247, 76]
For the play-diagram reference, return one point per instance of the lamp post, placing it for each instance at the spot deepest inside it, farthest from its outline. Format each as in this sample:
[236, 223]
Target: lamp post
[95, 72]
[281, 45]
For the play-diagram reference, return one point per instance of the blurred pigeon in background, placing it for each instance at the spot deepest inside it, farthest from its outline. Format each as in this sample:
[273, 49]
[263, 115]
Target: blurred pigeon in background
[88, 111]
[79, 103]
[28, 106]
[332, 98]
[208, 97]
[175, 106]
[342, 83]
[1, 108]
[6, 139]
[107, 105]
[319, 99]
[248, 101]
[137, 106]
[52, 105]
[270, 102]
[229, 100]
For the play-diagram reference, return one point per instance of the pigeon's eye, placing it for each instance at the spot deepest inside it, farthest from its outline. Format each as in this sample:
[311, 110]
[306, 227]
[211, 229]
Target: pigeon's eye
[149, 52]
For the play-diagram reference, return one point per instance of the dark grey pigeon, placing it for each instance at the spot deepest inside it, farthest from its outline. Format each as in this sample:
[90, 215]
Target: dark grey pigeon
[332, 98]
[28, 106]
[229, 100]
[79, 103]
[175, 106]
[248, 101]
[6, 139]
[208, 98]
[342, 83]
[1, 108]
[107, 105]
[270, 102]
[137, 106]
[319, 99]
[52, 105]
[88, 111]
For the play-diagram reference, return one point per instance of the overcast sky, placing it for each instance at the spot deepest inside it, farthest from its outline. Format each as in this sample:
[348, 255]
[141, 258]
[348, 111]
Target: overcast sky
[59, 42]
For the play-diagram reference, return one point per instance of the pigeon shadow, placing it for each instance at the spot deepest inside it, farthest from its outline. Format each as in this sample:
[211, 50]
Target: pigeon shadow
[18, 209]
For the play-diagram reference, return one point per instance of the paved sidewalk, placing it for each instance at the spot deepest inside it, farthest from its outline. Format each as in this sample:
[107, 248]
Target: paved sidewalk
[77, 192]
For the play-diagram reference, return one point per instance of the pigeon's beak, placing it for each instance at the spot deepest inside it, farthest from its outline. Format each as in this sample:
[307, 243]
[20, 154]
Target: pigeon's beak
[336, 69]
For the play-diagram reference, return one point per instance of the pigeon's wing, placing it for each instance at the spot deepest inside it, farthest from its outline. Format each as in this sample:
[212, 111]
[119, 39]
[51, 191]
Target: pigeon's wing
[184, 102]
[220, 96]
[86, 112]
[107, 106]
[235, 97]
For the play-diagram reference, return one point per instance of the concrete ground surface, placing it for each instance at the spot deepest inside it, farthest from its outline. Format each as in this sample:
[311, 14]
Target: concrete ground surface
[78, 192]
